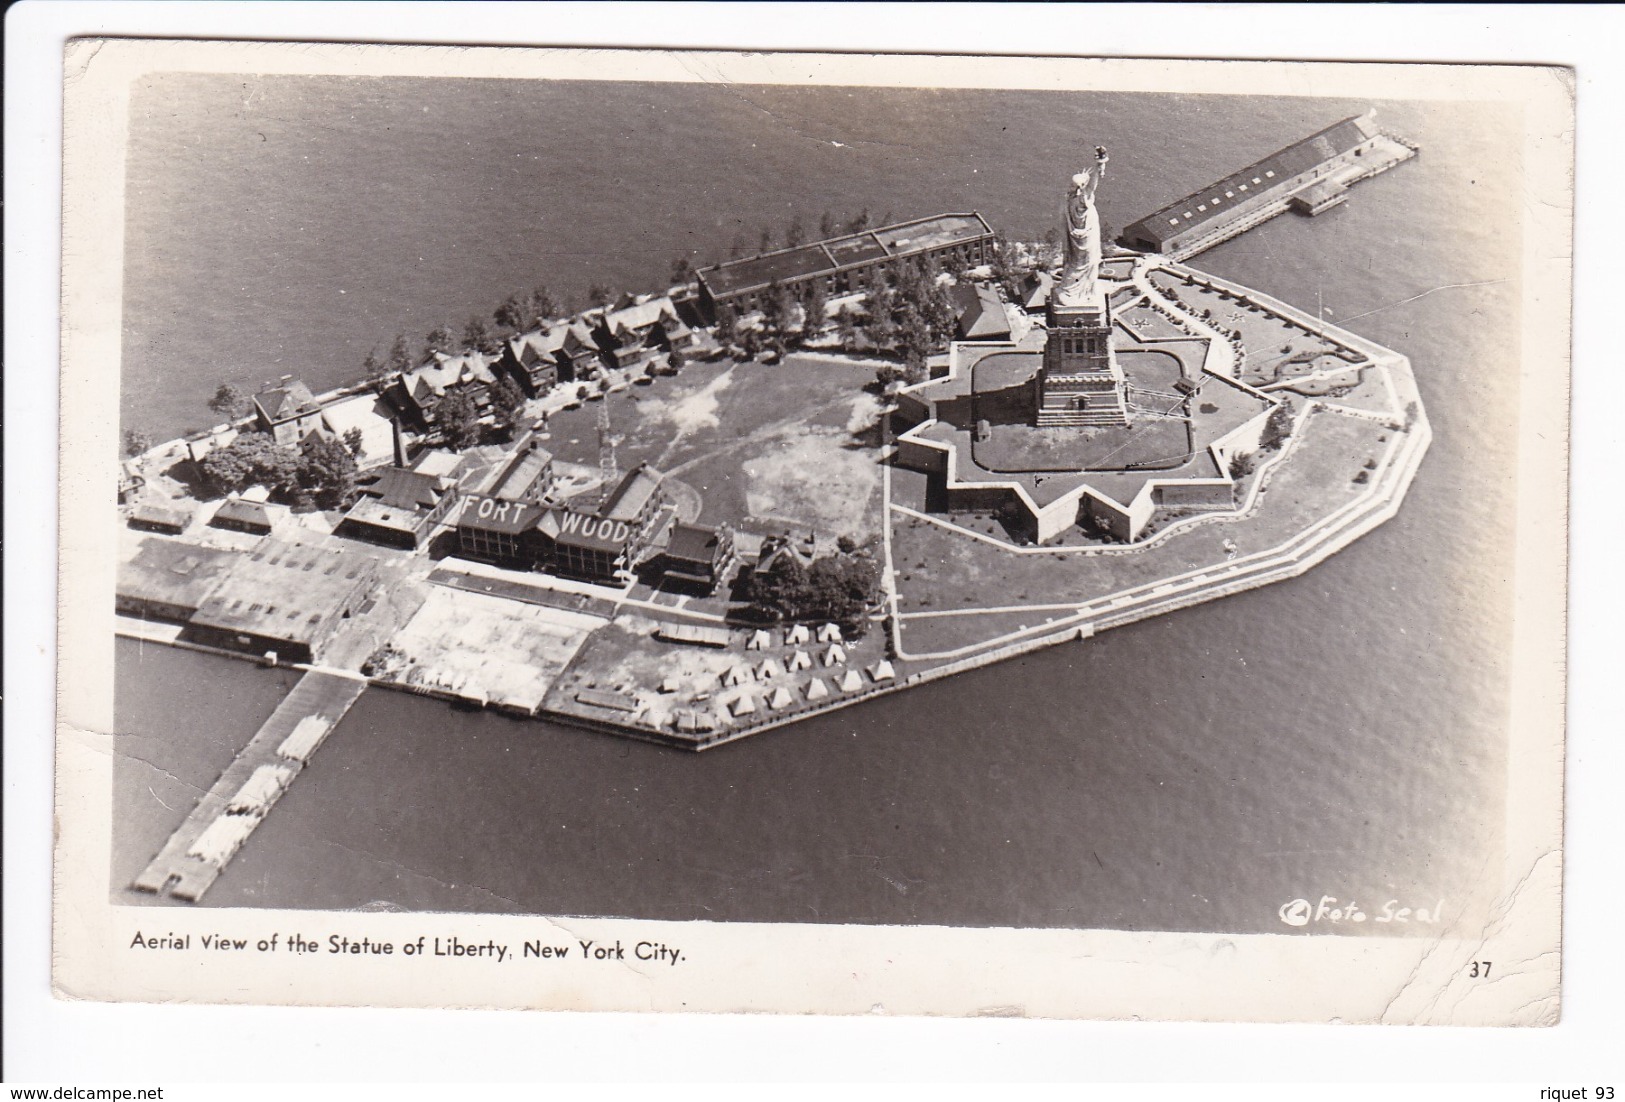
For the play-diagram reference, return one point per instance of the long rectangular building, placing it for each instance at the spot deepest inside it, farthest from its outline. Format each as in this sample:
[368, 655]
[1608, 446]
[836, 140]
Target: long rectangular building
[838, 261]
[1260, 190]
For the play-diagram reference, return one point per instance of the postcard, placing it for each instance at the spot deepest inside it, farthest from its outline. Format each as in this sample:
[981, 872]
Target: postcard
[813, 533]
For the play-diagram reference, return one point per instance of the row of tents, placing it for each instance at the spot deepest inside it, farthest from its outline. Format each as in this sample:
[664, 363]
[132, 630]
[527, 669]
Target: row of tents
[813, 691]
[796, 635]
[770, 668]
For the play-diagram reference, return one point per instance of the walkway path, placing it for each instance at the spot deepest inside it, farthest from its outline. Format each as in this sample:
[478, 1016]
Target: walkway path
[319, 696]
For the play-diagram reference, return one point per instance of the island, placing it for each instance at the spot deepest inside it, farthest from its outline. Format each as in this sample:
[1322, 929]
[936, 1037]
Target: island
[786, 484]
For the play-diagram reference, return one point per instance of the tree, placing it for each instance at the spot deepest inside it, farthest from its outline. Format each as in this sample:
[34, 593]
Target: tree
[136, 442]
[775, 310]
[477, 335]
[507, 400]
[352, 442]
[375, 369]
[846, 326]
[459, 419]
[327, 472]
[400, 355]
[795, 233]
[1277, 428]
[511, 314]
[726, 329]
[682, 269]
[542, 306]
[1241, 465]
[859, 222]
[914, 367]
[441, 339]
[599, 295]
[827, 226]
[252, 458]
[838, 588]
[737, 249]
[766, 243]
[230, 403]
[814, 308]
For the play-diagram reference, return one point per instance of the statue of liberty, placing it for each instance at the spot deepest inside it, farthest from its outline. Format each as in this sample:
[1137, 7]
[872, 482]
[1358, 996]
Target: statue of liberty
[1076, 284]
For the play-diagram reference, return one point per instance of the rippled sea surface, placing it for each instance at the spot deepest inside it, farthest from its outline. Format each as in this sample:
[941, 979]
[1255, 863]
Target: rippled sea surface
[1342, 733]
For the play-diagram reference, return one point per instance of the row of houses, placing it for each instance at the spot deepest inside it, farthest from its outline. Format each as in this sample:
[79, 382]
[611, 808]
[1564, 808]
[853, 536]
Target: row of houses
[635, 329]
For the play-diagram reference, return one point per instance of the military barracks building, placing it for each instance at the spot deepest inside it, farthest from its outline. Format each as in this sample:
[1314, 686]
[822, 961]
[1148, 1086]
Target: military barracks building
[843, 262]
[1309, 176]
[595, 544]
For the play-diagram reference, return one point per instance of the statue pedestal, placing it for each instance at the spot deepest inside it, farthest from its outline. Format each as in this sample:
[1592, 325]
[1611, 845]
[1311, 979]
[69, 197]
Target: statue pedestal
[1080, 382]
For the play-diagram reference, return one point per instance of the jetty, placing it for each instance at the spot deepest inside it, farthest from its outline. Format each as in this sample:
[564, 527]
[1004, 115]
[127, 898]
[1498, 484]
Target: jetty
[199, 850]
[1309, 177]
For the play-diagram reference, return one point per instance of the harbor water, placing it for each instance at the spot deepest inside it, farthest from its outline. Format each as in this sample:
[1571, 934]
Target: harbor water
[1342, 733]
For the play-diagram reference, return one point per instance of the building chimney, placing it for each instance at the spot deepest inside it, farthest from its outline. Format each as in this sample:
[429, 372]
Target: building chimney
[400, 442]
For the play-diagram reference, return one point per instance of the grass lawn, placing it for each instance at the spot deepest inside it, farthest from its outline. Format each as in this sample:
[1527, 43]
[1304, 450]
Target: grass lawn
[1272, 342]
[765, 446]
[1357, 389]
[940, 634]
[1146, 324]
[951, 571]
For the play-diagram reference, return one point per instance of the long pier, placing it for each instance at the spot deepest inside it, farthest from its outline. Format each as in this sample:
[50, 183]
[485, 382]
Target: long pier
[199, 850]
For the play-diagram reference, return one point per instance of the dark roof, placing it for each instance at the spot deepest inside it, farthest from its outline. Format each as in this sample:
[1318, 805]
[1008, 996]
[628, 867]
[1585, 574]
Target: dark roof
[520, 473]
[693, 543]
[159, 516]
[285, 589]
[591, 531]
[283, 403]
[981, 313]
[488, 514]
[251, 513]
[785, 265]
[1282, 165]
[629, 498]
[604, 698]
[401, 488]
[173, 573]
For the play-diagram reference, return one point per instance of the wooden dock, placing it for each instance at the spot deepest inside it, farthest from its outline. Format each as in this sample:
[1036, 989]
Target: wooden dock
[194, 857]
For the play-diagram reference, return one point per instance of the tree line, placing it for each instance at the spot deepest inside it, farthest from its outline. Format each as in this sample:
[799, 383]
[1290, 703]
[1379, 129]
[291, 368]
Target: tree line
[906, 313]
[838, 588]
[319, 473]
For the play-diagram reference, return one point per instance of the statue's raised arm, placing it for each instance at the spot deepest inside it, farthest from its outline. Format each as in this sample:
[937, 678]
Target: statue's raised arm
[1081, 259]
[1091, 176]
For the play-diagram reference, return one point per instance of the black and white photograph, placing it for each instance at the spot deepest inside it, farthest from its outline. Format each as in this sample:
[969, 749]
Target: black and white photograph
[560, 515]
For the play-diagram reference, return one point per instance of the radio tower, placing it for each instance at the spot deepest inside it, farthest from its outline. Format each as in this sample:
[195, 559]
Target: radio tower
[606, 447]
